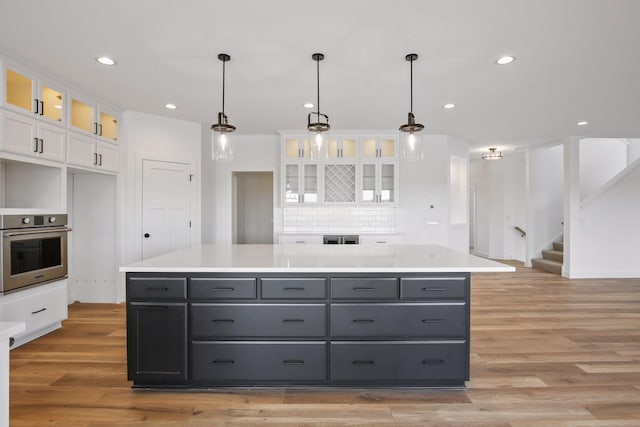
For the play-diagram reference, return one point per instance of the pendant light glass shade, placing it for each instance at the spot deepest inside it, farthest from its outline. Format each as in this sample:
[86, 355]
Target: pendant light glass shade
[222, 141]
[411, 145]
[318, 123]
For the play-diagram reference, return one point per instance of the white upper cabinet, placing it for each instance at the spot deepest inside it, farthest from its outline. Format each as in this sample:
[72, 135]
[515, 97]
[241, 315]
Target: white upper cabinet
[85, 116]
[358, 169]
[33, 115]
[35, 97]
[345, 149]
[87, 152]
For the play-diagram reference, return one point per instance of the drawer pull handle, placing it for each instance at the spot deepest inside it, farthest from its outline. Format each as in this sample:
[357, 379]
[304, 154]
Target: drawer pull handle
[39, 311]
[363, 321]
[156, 289]
[223, 362]
[432, 362]
[293, 362]
[222, 320]
[223, 289]
[292, 320]
[156, 307]
[433, 289]
[363, 362]
[363, 289]
[294, 289]
[432, 320]
[39, 276]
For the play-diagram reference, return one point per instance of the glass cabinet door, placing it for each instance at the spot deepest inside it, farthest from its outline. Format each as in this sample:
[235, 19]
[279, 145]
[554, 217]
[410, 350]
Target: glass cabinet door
[108, 127]
[19, 91]
[82, 116]
[292, 184]
[310, 184]
[296, 149]
[368, 183]
[387, 148]
[369, 148]
[387, 181]
[52, 103]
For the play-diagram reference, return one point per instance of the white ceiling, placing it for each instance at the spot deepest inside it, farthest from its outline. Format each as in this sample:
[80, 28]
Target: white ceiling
[576, 60]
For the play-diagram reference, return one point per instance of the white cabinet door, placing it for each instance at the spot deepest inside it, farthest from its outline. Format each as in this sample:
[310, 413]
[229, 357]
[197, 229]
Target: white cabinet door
[18, 134]
[107, 156]
[81, 150]
[51, 139]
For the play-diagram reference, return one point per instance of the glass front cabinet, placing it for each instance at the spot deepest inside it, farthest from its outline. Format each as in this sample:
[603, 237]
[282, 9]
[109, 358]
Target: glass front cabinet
[357, 170]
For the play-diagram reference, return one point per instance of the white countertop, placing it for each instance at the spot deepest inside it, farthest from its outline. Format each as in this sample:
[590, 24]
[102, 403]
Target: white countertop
[316, 258]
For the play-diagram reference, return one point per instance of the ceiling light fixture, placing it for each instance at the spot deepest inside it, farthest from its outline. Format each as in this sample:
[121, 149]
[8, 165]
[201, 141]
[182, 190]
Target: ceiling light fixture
[410, 140]
[170, 106]
[504, 60]
[222, 143]
[105, 60]
[492, 154]
[582, 123]
[319, 129]
[309, 105]
[449, 106]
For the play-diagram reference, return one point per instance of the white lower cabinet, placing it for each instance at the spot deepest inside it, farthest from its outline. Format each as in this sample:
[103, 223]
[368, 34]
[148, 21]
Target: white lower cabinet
[41, 308]
[300, 239]
[87, 152]
[381, 239]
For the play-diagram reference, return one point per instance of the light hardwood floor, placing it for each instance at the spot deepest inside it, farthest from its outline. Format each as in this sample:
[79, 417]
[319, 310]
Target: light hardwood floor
[545, 351]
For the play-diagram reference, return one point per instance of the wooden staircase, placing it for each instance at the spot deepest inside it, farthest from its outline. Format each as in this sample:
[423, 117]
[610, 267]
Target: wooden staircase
[551, 260]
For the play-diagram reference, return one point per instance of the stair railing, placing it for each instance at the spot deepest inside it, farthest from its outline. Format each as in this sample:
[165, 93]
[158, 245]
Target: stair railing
[523, 233]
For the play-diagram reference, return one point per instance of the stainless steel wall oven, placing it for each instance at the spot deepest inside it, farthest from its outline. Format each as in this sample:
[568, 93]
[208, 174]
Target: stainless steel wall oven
[33, 250]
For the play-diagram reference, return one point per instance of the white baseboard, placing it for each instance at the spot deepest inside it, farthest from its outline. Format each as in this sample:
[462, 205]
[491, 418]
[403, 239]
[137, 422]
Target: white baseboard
[604, 274]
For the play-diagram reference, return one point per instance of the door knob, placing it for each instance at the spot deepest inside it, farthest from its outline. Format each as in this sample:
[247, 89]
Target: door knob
[146, 235]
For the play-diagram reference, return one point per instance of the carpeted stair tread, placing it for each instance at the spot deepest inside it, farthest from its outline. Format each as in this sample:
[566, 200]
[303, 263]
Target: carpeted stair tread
[547, 265]
[553, 255]
[558, 246]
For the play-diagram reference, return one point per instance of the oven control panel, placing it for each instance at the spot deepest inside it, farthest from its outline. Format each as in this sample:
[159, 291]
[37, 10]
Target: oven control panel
[31, 221]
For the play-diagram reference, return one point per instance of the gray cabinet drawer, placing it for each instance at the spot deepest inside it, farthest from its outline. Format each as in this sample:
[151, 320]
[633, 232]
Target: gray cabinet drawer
[398, 320]
[293, 288]
[398, 361]
[157, 288]
[432, 288]
[282, 361]
[214, 288]
[257, 320]
[364, 288]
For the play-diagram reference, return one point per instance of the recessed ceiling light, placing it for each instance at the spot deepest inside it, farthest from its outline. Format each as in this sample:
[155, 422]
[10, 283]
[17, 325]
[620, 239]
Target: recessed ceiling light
[504, 60]
[105, 60]
[58, 106]
[449, 106]
[308, 105]
[583, 123]
[170, 106]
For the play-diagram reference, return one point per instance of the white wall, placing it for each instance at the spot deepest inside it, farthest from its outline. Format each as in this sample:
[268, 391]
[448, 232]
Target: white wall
[633, 150]
[423, 213]
[546, 194]
[604, 235]
[146, 136]
[600, 160]
[253, 153]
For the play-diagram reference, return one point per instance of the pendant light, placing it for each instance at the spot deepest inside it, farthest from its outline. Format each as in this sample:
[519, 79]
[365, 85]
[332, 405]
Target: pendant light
[492, 154]
[410, 139]
[318, 129]
[222, 143]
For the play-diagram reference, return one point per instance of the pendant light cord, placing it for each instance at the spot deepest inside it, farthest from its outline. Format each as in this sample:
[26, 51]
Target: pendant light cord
[318, 84]
[411, 85]
[223, 78]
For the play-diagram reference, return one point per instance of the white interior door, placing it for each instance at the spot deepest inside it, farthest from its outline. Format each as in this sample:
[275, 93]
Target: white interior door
[166, 207]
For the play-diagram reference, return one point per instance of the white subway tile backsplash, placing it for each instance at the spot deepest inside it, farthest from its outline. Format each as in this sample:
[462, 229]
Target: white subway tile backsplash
[338, 219]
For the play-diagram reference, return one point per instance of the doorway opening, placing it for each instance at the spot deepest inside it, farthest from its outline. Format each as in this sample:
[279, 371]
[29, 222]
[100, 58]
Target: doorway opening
[252, 208]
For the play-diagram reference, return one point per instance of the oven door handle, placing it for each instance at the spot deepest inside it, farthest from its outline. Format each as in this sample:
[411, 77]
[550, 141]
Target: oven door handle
[36, 231]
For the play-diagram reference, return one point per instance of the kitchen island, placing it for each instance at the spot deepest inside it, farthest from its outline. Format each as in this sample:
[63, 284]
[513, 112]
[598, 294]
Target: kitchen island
[316, 315]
